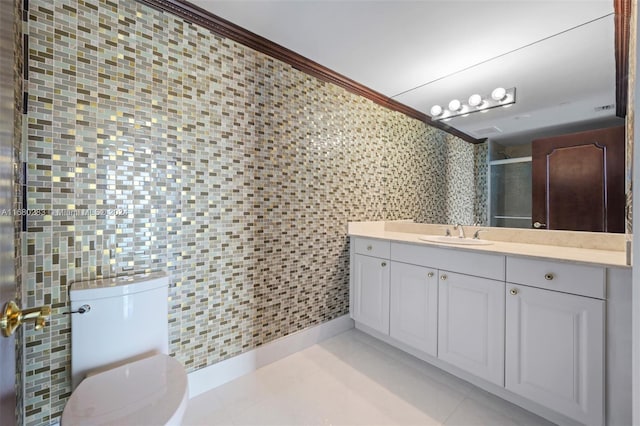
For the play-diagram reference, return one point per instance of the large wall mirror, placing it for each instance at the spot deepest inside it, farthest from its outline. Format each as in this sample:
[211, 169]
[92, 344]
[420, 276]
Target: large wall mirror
[564, 82]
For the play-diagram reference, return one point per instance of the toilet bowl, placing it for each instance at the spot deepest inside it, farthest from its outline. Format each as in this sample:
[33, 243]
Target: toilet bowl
[121, 371]
[150, 391]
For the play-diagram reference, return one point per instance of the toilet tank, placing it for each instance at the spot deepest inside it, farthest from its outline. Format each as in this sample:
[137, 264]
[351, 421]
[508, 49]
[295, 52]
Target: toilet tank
[127, 320]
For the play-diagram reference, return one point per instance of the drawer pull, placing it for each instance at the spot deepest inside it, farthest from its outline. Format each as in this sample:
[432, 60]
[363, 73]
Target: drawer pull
[369, 247]
[443, 277]
[383, 264]
[548, 277]
[513, 291]
[430, 275]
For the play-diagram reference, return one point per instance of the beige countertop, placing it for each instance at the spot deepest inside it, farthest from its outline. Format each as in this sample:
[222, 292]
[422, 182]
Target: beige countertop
[582, 247]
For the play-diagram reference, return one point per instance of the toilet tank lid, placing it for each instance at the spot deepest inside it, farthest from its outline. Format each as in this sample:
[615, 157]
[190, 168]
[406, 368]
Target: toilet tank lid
[118, 286]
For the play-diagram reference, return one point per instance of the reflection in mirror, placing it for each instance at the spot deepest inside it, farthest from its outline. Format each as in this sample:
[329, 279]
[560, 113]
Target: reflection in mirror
[510, 192]
[565, 83]
[568, 74]
[568, 182]
[578, 181]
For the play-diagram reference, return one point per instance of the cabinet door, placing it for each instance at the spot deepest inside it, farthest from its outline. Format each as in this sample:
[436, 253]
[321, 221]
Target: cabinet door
[471, 324]
[371, 288]
[414, 306]
[554, 351]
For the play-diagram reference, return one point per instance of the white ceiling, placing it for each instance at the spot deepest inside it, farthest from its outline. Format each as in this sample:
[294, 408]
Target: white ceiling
[558, 54]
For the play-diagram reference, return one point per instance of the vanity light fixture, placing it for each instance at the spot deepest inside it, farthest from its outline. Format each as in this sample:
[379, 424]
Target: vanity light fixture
[499, 94]
[499, 97]
[476, 101]
[436, 110]
[455, 105]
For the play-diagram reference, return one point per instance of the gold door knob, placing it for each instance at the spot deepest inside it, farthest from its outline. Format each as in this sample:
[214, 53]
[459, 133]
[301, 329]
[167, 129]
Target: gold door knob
[384, 264]
[548, 277]
[443, 277]
[514, 291]
[13, 316]
[369, 248]
[430, 275]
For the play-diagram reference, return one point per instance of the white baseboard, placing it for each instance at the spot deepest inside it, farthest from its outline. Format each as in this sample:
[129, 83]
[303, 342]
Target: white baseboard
[218, 374]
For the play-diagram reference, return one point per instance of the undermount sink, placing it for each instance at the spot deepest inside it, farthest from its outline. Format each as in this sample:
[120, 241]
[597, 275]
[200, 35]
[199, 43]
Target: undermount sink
[454, 240]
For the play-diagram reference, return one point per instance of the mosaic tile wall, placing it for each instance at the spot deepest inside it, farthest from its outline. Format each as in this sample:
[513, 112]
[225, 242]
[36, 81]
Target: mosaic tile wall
[446, 170]
[481, 173]
[460, 188]
[17, 191]
[234, 172]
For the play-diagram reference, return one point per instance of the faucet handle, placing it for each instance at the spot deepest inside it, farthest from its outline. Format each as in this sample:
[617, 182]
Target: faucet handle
[476, 235]
[458, 227]
[447, 233]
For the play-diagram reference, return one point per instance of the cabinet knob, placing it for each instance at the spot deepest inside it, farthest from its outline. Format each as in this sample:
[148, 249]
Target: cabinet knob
[369, 247]
[443, 277]
[548, 277]
[430, 275]
[383, 264]
[513, 291]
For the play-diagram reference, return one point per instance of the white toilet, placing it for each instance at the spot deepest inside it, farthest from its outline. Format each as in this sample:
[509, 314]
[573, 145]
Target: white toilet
[121, 373]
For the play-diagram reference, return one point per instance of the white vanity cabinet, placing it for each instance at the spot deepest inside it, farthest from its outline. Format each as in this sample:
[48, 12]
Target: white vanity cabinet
[414, 306]
[555, 341]
[370, 285]
[471, 324]
[532, 331]
[470, 307]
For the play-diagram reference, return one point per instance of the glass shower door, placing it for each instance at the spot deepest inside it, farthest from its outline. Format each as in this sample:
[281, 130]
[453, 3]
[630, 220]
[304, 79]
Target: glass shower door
[510, 193]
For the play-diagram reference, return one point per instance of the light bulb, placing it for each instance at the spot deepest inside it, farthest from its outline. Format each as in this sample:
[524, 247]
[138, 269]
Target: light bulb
[436, 110]
[455, 105]
[475, 100]
[499, 94]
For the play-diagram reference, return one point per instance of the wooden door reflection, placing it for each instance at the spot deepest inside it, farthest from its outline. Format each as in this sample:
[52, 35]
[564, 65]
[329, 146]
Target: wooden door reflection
[578, 181]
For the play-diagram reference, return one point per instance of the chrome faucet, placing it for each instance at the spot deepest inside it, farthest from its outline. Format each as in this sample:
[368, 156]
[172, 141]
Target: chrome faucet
[458, 227]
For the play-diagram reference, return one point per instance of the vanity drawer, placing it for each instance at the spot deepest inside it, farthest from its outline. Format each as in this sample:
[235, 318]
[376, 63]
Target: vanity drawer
[450, 259]
[372, 247]
[584, 280]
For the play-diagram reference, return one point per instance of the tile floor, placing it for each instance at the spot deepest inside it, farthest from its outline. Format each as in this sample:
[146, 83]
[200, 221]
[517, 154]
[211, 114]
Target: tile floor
[352, 379]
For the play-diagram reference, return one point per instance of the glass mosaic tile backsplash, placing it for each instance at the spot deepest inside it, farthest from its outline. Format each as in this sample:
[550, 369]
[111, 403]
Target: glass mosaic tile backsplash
[155, 145]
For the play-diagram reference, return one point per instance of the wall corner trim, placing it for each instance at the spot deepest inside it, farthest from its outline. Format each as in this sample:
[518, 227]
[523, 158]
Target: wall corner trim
[224, 28]
[210, 377]
[622, 33]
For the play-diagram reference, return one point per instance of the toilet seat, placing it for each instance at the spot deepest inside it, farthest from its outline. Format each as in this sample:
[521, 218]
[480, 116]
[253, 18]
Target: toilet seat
[151, 391]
